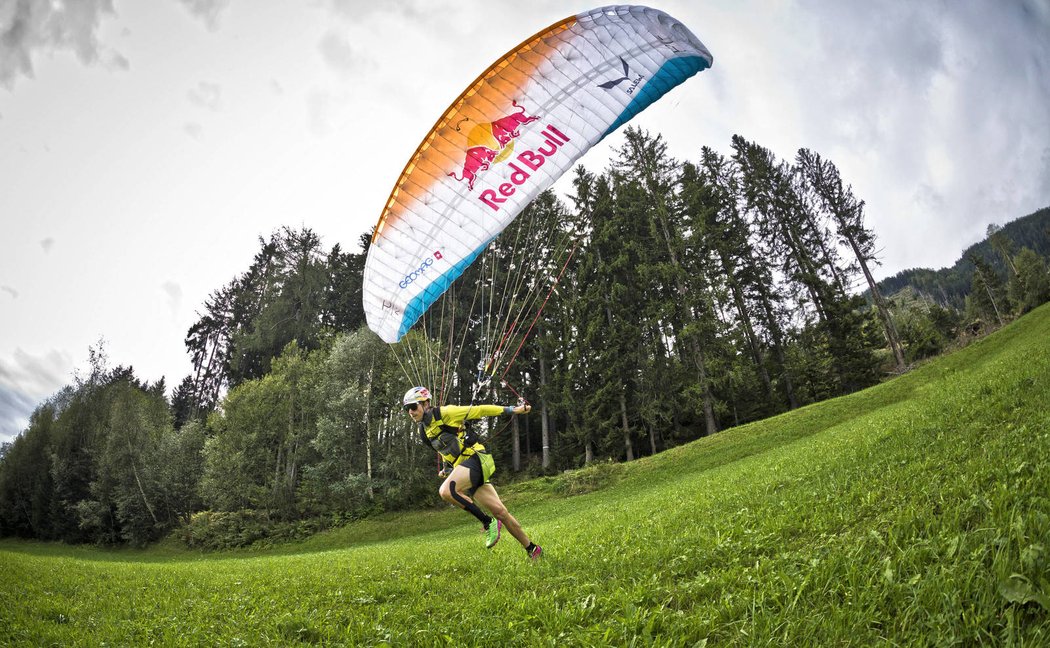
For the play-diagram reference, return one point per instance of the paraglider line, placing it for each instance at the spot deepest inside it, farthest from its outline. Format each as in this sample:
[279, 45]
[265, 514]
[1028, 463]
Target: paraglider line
[540, 311]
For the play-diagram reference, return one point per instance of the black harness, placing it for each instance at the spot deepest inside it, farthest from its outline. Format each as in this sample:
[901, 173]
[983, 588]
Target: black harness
[447, 441]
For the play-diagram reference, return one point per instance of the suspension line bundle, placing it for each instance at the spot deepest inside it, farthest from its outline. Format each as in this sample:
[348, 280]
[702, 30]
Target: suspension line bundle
[489, 313]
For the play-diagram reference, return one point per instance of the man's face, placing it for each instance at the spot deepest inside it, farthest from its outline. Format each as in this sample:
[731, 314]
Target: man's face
[415, 411]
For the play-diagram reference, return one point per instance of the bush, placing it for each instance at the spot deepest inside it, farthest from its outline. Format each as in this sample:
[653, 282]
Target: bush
[585, 480]
[217, 530]
[926, 330]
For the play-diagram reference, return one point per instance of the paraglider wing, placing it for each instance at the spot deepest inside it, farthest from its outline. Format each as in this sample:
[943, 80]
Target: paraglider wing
[510, 135]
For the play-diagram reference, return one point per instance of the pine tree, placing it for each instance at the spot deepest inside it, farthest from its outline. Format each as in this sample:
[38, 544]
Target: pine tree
[184, 406]
[287, 301]
[583, 316]
[987, 292]
[1029, 286]
[1003, 246]
[343, 310]
[711, 195]
[644, 160]
[609, 310]
[774, 206]
[208, 342]
[847, 212]
[789, 229]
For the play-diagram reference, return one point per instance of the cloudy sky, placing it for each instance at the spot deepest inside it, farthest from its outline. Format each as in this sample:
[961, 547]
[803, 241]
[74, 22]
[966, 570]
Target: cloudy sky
[146, 145]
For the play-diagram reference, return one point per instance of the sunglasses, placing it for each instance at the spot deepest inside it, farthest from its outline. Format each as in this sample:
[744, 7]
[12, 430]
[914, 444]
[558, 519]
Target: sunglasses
[411, 407]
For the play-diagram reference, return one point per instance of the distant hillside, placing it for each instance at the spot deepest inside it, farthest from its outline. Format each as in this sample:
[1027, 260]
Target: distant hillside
[949, 286]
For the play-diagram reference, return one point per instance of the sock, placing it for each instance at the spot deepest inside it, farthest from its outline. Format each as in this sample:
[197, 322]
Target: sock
[529, 549]
[470, 507]
[473, 509]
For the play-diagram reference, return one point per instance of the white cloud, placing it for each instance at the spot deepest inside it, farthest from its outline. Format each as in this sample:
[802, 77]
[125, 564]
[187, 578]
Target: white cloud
[32, 27]
[206, 10]
[194, 130]
[15, 409]
[206, 95]
[340, 54]
[174, 295]
[35, 375]
[26, 380]
[362, 10]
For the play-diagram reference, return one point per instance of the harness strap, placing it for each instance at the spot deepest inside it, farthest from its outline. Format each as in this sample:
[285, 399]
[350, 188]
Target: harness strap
[465, 439]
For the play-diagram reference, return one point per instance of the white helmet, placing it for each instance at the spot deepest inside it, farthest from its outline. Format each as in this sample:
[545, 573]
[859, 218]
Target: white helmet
[416, 395]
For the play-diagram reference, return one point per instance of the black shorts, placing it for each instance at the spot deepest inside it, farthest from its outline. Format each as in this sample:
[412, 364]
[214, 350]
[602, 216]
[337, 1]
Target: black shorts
[475, 467]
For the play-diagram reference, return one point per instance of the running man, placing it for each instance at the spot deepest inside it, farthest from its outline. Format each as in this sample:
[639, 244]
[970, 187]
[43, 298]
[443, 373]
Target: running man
[467, 466]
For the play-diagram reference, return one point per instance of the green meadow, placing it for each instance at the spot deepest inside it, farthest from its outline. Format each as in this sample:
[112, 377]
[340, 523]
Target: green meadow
[913, 513]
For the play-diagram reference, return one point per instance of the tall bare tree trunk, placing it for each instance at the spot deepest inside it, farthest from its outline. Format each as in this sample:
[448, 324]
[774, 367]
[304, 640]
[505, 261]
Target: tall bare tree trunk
[544, 415]
[138, 482]
[709, 410]
[368, 428]
[880, 305]
[628, 446]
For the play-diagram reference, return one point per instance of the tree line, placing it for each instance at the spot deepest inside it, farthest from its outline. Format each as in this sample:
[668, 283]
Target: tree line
[698, 295]
[949, 287]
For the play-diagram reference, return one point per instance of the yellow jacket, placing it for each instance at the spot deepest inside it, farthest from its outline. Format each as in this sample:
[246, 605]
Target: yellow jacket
[442, 428]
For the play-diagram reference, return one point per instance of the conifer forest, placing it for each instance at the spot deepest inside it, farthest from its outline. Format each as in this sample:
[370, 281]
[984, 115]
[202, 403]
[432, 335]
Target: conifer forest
[660, 301]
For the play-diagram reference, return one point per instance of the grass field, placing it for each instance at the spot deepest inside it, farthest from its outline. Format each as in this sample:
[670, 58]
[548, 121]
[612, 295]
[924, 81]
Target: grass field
[913, 513]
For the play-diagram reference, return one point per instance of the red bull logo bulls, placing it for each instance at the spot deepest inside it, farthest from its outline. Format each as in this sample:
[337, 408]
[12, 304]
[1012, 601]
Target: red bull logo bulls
[493, 142]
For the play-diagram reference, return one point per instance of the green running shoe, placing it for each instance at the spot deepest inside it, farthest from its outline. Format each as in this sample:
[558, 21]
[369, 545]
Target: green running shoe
[492, 534]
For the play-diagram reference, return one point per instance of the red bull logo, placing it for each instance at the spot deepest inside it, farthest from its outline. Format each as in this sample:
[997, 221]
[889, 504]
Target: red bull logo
[529, 161]
[493, 142]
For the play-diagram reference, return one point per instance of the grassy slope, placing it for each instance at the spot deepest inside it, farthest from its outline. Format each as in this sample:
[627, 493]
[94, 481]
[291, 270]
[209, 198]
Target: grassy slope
[914, 512]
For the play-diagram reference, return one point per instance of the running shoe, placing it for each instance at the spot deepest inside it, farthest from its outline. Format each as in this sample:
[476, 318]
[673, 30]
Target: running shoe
[534, 555]
[492, 534]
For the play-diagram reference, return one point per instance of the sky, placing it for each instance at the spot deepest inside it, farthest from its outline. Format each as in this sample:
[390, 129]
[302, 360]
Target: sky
[147, 145]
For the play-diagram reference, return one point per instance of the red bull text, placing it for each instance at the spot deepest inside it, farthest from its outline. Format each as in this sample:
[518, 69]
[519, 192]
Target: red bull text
[531, 160]
[493, 142]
